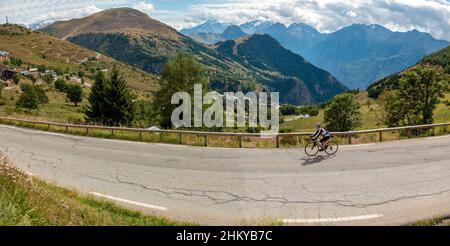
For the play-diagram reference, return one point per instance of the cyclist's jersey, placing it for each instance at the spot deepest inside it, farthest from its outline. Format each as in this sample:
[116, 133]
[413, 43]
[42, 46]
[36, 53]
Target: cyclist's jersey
[321, 131]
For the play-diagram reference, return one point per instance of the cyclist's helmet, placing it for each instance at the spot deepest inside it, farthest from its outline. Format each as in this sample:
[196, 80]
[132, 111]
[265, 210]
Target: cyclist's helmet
[318, 124]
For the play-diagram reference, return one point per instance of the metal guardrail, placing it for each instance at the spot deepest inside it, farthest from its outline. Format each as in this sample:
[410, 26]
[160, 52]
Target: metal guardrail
[349, 135]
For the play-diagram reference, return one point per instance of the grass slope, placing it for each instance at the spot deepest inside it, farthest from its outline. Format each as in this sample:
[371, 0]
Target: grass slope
[57, 110]
[26, 201]
[38, 48]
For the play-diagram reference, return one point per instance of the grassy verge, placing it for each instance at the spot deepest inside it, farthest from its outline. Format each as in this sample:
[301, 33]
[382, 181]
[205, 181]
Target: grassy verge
[219, 141]
[442, 221]
[26, 201]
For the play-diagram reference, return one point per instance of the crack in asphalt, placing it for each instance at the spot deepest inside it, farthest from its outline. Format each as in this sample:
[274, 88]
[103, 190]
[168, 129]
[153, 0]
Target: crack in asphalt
[209, 194]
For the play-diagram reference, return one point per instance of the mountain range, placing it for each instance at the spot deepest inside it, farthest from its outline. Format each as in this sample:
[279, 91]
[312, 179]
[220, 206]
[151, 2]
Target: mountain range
[247, 63]
[229, 33]
[357, 55]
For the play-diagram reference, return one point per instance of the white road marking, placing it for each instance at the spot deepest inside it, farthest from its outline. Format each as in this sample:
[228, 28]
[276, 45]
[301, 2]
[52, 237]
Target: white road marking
[337, 219]
[140, 204]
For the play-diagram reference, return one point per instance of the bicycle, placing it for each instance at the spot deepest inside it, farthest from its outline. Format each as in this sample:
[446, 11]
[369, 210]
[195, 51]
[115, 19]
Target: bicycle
[313, 147]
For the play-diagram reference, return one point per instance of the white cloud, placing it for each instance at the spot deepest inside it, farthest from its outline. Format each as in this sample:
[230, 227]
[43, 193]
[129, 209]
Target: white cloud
[144, 7]
[31, 11]
[67, 14]
[431, 16]
[329, 15]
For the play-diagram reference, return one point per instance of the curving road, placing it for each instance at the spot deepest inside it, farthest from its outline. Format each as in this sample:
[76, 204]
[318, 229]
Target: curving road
[380, 184]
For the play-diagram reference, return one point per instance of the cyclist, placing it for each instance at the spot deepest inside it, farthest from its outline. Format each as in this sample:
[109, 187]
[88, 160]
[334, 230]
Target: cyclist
[325, 136]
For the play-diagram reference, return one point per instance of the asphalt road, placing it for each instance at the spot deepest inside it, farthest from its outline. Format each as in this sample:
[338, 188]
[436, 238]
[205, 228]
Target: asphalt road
[379, 184]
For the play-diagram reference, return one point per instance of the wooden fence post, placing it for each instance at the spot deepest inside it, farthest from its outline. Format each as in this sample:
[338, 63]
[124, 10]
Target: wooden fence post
[181, 138]
[240, 141]
[433, 131]
[140, 135]
[278, 141]
[206, 140]
[349, 139]
[380, 134]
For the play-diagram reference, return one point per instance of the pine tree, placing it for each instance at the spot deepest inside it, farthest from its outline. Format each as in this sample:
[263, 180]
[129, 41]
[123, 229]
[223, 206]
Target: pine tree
[96, 109]
[119, 101]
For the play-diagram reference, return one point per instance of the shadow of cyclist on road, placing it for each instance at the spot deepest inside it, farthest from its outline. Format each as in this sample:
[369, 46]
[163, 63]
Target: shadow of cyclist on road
[307, 161]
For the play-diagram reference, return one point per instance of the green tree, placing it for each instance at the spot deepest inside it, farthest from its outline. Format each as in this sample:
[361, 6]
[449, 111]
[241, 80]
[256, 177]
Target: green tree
[111, 101]
[288, 110]
[15, 62]
[47, 78]
[80, 74]
[29, 98]
[61, 85]
[42, 68]
[343, 113]
[119, 100]
[16, 79]
[179, 74]
[145, 115]
[41, 94]
[75, 93]
[395, 109]
[96, 109]
[33, 79]
[420, 90]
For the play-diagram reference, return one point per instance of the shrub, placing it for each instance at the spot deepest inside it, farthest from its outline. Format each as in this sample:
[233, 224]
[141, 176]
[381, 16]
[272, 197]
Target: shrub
[75, 94]
[16, 79]
[61, 85]
[288, 110]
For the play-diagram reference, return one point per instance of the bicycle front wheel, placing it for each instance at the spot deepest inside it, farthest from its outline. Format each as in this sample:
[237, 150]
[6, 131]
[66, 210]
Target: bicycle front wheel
[332, 147]
[311, 149]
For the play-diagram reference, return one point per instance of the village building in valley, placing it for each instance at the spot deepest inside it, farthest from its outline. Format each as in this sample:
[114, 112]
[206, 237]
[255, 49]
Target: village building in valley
[6, 73]
[4, 56]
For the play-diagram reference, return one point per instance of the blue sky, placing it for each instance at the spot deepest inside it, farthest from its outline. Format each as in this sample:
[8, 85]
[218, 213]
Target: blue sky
[431, 16]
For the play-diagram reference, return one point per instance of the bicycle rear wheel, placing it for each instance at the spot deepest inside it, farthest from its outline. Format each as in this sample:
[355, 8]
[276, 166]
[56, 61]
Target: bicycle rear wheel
[311, 149]
[332, 148]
